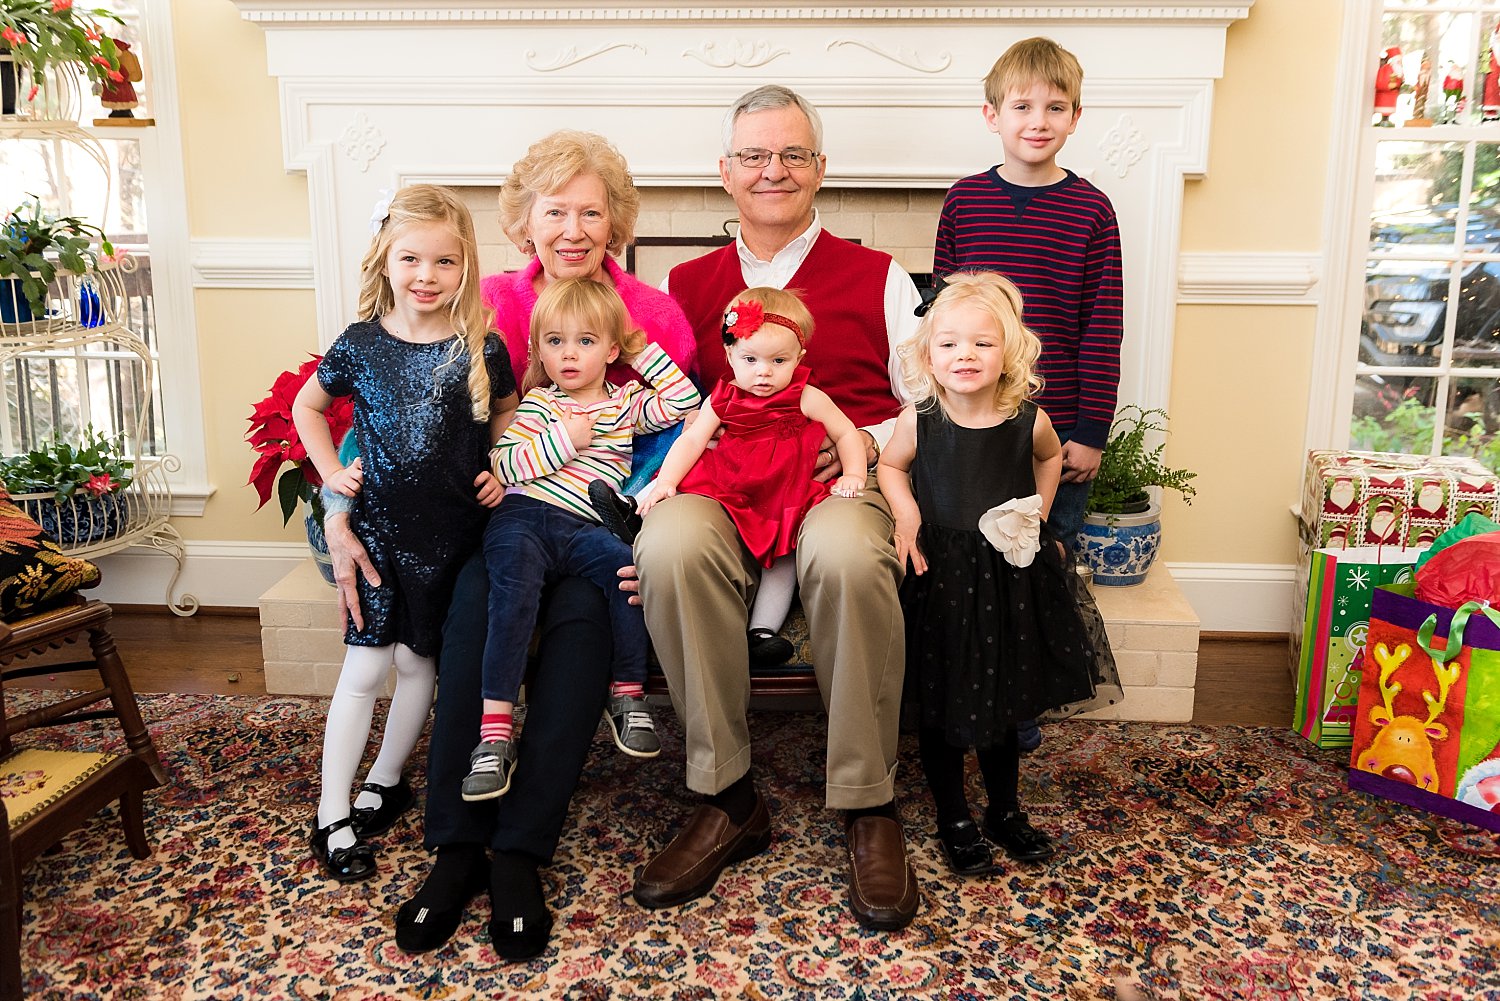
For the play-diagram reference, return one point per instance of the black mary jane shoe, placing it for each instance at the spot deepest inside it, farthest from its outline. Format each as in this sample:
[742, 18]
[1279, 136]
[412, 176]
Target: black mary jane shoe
[347, 865]
[1022, 842]
[965, 848]
[768, 648]
[368, 821]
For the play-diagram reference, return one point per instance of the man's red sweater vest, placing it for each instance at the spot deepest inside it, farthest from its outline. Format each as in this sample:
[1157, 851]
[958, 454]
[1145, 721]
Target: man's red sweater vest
[843, 286]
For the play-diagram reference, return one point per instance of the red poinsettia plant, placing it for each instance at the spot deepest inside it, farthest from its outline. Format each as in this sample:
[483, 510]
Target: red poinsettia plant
[274, 437]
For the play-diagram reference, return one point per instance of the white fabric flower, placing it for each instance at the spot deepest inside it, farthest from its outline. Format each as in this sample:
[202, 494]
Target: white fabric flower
[382, 209]
[1015, 529]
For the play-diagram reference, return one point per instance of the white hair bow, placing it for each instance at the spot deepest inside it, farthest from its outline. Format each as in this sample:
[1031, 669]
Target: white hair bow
[1015, 529]
[382, 209]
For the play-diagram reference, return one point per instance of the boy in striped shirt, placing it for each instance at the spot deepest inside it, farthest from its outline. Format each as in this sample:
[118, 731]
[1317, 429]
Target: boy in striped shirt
[571, 429]
[1055, 236]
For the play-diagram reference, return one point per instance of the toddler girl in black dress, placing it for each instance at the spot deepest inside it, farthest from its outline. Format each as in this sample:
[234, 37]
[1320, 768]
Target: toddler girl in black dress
[999, 627]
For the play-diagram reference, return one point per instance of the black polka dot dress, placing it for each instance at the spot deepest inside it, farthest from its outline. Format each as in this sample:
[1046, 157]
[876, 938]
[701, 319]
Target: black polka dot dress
[990, 644]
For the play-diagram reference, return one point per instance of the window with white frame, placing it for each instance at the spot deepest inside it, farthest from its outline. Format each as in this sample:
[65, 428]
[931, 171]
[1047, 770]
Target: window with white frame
[136, 192]
[1427, 376]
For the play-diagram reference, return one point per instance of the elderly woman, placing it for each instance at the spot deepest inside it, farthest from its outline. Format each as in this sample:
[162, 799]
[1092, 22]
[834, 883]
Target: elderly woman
[571, 205]
[569, 202]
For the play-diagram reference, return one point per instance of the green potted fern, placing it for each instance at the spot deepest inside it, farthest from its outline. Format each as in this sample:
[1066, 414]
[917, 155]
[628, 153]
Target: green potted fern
[1122, 528]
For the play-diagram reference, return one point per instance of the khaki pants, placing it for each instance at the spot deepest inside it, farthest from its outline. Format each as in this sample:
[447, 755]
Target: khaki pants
[697, 581]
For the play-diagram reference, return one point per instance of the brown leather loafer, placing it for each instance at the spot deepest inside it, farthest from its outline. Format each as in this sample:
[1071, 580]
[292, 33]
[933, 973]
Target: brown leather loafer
[689, 866]
[882, 885]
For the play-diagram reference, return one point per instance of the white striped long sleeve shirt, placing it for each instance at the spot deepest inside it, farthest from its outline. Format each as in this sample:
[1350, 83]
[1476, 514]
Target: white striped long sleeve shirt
[536, 457]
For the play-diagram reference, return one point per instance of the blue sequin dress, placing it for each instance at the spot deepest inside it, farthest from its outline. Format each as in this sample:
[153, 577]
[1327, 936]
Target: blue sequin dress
[418, 512]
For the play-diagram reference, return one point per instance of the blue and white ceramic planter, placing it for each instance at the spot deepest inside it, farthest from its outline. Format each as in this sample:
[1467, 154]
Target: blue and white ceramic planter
[1121, 553]
[317, 543]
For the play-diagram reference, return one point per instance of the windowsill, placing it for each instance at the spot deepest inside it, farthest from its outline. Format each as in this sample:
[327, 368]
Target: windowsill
[189, 502]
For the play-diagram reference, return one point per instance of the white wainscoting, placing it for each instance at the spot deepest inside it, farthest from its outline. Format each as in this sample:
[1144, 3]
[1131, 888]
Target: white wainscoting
[1228, 597]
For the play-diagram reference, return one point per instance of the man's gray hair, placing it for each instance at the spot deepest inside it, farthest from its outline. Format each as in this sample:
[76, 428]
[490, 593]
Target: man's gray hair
[769, 98]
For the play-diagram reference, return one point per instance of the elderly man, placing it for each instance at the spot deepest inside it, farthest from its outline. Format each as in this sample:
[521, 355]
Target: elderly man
[696, 578]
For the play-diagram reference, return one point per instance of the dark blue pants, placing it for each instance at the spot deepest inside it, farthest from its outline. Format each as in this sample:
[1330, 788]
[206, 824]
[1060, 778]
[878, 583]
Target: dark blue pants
[565, 700]
[530, 543]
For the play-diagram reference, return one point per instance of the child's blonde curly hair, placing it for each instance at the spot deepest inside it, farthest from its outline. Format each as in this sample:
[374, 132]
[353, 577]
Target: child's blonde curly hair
[999, 298]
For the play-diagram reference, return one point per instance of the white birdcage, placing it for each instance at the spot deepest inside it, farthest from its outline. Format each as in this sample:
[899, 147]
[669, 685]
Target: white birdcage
[54, 98]
[83, 323]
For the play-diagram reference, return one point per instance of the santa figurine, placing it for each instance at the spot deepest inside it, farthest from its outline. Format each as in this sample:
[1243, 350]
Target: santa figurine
[118, 95]
[1388, 81]
[1489, 106]
[1453, 92]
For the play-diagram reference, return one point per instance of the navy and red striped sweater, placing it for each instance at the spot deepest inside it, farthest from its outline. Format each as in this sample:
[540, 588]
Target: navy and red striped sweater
[1061, 246]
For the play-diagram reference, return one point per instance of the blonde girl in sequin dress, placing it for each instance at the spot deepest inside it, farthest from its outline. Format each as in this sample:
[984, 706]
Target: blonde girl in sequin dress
[999, 627]
[432, 389]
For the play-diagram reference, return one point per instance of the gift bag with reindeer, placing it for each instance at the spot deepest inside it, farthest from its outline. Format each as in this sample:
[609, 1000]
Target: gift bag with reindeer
[1427, 728]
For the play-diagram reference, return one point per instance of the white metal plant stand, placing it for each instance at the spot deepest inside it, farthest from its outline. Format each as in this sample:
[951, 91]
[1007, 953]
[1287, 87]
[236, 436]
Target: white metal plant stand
[84, 328]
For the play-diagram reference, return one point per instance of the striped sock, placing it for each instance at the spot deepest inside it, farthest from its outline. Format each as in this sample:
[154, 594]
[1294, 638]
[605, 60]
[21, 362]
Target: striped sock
[634, 689]
[494, 727]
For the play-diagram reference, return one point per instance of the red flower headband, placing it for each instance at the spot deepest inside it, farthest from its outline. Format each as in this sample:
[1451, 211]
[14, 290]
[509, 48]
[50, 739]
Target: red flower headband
[744, 318]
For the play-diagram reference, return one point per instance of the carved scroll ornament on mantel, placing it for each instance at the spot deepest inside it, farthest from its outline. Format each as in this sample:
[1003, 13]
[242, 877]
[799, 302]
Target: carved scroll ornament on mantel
[571, 56]
[901, 57]
[747, 55]
[1123, 146]
[361, 141]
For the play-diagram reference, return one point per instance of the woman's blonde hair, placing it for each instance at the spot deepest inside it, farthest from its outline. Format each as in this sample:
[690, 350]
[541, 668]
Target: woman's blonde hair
[594, 305]
[783, 302]
[999, 298]
[419, 204]
[555, 160]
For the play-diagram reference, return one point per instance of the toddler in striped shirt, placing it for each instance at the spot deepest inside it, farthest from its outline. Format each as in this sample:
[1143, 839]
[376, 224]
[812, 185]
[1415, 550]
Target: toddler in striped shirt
[571, 428]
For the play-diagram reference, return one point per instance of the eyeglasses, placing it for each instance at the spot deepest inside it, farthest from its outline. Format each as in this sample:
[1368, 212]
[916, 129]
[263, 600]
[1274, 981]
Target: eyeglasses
[792, 156]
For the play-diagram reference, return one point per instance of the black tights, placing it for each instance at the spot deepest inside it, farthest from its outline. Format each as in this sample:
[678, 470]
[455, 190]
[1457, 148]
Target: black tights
[943, 764]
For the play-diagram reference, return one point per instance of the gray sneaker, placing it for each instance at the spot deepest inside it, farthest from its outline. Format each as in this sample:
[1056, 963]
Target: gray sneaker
[630, 723]
[490, 769]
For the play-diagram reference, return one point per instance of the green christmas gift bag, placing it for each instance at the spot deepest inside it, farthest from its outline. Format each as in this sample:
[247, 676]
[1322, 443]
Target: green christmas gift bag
[1341, 585]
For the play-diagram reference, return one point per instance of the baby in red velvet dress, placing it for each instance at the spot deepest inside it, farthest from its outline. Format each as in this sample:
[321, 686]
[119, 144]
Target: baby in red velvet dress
[762, 468]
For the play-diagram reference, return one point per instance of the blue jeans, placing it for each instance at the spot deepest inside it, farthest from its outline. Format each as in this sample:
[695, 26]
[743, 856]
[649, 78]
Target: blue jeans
[527, 545]
[1068, 508]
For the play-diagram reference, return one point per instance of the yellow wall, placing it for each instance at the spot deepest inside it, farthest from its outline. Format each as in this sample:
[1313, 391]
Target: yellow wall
[1240, 374]
[237, 189]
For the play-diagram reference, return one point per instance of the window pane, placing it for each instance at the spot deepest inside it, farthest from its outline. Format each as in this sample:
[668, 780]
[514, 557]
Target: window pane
[1476, 339]
[1393, 414]
[1421, 75]
[1417, 189]
[1405, 308]
[1474, 420]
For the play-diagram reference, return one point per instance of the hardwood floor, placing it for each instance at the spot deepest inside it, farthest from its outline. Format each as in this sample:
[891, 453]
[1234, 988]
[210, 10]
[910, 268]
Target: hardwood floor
[1243, 679]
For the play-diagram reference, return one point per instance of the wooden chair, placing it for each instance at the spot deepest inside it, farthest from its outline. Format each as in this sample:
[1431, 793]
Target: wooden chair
[80, 783]
[792, 680]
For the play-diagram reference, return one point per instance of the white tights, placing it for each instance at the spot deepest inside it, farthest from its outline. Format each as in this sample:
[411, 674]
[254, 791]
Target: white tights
[773, 598]
[348, 731]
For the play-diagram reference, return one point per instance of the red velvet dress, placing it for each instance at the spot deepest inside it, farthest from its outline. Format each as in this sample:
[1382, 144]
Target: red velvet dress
[762, 468]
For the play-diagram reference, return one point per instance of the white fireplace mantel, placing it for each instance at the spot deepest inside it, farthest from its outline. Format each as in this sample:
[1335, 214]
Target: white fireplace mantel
[377, 94]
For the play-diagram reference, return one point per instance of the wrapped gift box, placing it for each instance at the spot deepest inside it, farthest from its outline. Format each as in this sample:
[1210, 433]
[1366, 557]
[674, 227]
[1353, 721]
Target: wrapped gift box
[1390, 499]
[1357, 499]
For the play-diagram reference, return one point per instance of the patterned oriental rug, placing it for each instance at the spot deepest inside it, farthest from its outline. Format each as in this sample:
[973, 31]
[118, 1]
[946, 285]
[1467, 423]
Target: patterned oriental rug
[1197, 863]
